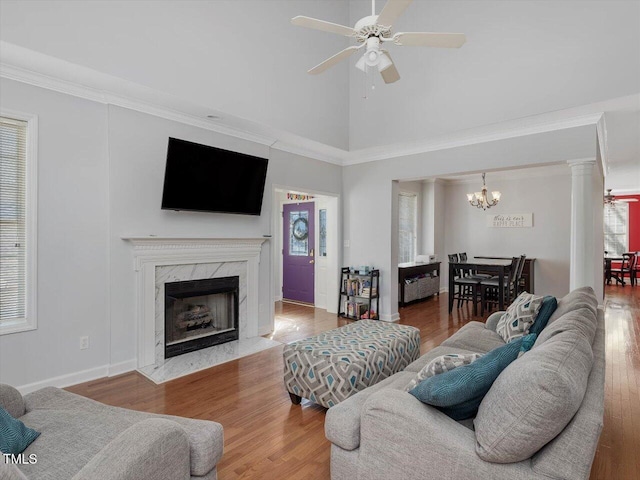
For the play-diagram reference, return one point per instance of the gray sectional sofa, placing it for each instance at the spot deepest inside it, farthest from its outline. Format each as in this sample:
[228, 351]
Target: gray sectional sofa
[82, 439]
[541, 419]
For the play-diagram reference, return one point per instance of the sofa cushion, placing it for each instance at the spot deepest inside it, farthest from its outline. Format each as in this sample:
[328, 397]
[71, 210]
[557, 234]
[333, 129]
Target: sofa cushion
[342, 422]
[582, 320]
[533, 400]
[583, 297]
[475, 338]
[15, 436]
[519, 317]
[549, 305]
[9, 471]
[442, 364]
[86, 426]
[458, 393]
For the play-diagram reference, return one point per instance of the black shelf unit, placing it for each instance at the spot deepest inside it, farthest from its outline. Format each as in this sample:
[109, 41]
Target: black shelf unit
[351, 285]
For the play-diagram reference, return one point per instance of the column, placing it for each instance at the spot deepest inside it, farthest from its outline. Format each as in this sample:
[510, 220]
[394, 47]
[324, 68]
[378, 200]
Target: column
[583, 203]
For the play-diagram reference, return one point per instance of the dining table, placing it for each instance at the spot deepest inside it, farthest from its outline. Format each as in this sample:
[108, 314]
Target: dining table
[607, 267]
[498, 267]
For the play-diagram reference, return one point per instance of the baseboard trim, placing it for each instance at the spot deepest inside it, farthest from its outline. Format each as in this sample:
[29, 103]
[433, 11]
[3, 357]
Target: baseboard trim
[74, 378]
[394, 317]
[122, 367]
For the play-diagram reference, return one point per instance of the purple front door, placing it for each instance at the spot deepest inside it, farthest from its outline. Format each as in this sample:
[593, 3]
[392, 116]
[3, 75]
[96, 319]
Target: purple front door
[298, 252]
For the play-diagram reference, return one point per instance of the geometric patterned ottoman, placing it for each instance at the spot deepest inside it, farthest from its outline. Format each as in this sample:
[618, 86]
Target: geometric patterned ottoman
[330, 367]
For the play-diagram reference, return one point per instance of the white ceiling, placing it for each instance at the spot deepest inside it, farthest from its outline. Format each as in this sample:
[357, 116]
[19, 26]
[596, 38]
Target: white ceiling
[244, 59]
[521, 58]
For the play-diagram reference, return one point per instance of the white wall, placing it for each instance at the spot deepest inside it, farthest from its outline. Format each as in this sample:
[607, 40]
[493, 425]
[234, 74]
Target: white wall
[547, 196]
[100, 179]
[369, 200]
[72, 291]
[243, 58]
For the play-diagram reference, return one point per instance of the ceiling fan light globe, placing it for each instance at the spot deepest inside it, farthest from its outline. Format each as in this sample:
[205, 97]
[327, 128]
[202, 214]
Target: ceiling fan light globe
[361, 65]
[372, 57]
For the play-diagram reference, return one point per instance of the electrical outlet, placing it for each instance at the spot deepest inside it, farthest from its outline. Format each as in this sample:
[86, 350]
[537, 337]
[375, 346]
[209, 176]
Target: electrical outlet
[84, 343]
[347, 244]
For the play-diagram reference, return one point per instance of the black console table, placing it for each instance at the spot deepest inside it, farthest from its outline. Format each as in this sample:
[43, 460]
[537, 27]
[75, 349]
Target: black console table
[427, 283]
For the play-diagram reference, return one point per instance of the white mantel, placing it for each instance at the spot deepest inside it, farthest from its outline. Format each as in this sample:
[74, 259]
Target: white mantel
[152, 253]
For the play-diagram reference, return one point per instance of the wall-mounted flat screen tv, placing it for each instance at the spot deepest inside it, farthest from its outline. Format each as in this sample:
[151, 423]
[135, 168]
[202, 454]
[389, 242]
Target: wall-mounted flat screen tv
[209, 179]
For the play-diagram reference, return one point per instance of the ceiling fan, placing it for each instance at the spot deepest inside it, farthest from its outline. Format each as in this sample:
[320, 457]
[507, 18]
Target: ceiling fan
[371, 33]
[610, 199]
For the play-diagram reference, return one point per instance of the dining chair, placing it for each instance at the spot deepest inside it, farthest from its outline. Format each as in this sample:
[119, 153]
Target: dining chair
[519, 284]
[469, 272]
[490, 288]
[636, 269]
[626, 268]
[468, 286]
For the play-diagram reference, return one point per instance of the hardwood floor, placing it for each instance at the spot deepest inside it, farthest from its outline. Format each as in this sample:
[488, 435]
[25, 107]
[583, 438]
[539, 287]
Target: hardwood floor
[618, 455]
[266, 437]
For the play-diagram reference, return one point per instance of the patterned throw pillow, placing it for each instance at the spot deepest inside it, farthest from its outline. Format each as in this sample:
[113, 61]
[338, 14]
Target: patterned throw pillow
[519, 317]
[441, 364]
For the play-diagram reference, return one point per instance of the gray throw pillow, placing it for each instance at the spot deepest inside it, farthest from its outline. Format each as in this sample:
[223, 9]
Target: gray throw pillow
[534, 399]
[441, 364]
[519, 317]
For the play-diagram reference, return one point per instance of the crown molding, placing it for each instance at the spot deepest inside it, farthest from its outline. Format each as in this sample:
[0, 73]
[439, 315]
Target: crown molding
[34, 68]
[551, 170]
[512, 129]
[156, 109]
[319, 151]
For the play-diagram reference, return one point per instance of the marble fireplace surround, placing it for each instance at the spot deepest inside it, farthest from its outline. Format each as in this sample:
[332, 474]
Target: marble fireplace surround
[158, 260]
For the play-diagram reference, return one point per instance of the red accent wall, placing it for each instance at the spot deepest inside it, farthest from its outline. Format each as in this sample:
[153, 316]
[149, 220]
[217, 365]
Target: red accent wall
[634, 222]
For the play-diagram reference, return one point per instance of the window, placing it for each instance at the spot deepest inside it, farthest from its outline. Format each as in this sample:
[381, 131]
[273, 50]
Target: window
[299, 234]
[322, 249]
[616, 224]
[17, 223]
[407, 226]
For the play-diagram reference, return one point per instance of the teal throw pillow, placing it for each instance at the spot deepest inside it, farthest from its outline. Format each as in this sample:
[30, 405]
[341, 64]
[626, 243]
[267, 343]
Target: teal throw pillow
[15, 436]
[549, 305]
[459, 392]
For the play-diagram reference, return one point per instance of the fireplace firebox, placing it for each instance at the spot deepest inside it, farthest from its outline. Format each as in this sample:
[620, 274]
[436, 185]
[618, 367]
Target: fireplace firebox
[200, 313]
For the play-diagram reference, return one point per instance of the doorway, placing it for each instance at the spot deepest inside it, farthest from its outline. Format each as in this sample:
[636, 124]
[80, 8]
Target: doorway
[318, 255]
[298, 252]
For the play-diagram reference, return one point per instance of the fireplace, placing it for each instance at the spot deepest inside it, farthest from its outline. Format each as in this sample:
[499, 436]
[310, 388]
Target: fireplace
[200, 313]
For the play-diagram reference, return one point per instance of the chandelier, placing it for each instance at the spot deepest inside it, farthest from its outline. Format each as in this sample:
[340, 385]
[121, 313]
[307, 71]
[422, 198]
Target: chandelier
[480, 199]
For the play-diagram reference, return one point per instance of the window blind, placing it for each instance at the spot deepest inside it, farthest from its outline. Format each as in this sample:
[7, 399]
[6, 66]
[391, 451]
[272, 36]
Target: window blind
[616, 221]
[407, 225]
[13, 138]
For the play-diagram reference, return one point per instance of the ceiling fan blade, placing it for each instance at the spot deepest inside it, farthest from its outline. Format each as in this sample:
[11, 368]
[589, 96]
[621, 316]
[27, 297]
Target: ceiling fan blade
[390, 74]
[626, 200]
[426, 39]
[330, 62]
[316, 24]
[391, 11]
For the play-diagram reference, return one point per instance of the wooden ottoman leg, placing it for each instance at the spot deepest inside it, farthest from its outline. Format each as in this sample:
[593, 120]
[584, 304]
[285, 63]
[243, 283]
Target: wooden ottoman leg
[295, 399]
